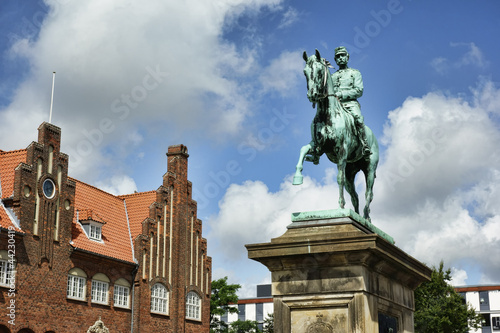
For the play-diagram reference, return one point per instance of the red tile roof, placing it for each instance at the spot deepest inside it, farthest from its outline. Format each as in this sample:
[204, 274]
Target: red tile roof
[5, 220]
[113, 212]
[89, 215]
[476, 288]
[138, 209]
[116, 242]
[9, 160]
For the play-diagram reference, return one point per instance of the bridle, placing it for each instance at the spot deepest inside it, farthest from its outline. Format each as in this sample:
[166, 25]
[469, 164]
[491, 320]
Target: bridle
[323, 89]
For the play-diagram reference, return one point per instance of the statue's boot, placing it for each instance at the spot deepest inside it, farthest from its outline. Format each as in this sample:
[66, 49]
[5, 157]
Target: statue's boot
[363, 139]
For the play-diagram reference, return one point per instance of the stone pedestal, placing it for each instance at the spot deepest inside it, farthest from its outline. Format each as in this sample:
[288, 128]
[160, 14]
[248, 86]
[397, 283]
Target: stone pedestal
[333, 271]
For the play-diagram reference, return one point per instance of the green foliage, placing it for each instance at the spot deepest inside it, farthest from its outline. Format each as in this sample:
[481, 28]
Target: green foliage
[440, 309]
[269, 324]
[223, 294]
[247, 326]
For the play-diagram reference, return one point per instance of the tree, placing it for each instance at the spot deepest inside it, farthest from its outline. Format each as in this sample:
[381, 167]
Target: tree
[440, 309]
[223, 294]
[244, 326]
[269, 324]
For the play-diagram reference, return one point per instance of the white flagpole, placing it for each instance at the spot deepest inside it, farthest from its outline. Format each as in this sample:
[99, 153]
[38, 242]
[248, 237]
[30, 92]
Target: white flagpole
[52, 97]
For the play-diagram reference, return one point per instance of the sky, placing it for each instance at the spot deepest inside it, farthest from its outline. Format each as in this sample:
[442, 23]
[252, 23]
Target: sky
[225, 78]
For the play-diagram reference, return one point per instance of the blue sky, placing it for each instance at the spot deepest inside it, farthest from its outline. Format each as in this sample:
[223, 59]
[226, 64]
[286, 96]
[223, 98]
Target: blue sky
[225, 78]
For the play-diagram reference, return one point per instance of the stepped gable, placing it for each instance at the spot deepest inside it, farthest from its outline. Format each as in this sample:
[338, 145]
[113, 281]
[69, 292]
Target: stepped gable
[107, 209]
[138, 209]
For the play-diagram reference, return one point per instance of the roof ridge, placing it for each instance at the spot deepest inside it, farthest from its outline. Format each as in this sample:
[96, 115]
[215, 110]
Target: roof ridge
[124, 196]
[5, 152]
[96, 188]
[129, 232]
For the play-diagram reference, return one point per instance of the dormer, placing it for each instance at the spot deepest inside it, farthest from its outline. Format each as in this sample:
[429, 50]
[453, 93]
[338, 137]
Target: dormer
[91, 223]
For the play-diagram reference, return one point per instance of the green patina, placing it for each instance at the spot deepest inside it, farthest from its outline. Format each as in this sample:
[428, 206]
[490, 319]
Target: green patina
[338, 130]
[339, 215]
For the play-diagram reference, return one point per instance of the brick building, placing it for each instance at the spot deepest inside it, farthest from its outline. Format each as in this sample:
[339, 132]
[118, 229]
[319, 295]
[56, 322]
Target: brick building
[72, 254]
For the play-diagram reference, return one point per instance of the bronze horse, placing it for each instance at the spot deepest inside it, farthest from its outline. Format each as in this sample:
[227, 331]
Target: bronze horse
[334, 133]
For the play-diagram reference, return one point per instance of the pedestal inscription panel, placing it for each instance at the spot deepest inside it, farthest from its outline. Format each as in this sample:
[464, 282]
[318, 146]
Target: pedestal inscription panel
[322, 321]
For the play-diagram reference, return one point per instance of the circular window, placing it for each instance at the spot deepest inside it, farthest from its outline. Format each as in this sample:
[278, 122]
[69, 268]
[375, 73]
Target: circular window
[49, 188]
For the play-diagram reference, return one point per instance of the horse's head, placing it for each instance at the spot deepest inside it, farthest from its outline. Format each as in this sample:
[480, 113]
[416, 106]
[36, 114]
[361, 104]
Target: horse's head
[317, 74]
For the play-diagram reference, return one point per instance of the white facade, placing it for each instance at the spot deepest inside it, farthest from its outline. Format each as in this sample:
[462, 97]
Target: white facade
[254, 309]
[251, 310]
[486, 301]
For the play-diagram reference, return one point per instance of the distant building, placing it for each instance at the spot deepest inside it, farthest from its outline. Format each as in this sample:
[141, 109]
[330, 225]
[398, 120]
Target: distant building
[254, 309]
[486, 301]
[72, 255]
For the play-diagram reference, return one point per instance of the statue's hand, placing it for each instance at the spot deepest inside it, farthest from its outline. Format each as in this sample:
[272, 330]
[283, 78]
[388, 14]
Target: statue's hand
[338, 94]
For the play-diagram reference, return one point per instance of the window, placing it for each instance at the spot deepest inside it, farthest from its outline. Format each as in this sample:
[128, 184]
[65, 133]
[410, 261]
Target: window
[49, 188]
[193, 306]
[484, 301]
[259, 312]
[496, 323]
[100, 287]
[122, 293]
[7, 270]
[95, 232]
[76, 284]
[241, 312]
[159, 299]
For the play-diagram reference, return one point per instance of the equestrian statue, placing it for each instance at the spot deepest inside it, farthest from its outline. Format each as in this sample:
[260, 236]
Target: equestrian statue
[338, 129]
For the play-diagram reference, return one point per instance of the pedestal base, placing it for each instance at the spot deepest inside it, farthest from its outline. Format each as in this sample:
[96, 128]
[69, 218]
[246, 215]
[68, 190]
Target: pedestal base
[334, 274]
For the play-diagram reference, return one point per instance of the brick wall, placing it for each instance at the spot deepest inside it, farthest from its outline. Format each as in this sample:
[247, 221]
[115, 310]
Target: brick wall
[170, 250]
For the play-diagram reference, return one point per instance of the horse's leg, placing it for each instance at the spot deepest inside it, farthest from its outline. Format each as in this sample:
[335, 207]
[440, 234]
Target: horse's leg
[297, 178]
[350, 174]
[370, 180]
[341, 181]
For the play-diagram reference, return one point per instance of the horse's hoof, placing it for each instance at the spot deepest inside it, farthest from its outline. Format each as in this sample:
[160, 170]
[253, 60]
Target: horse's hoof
[297, 180]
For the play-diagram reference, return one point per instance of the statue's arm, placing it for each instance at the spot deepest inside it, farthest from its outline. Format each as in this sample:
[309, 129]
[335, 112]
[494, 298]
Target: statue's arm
[358, 84]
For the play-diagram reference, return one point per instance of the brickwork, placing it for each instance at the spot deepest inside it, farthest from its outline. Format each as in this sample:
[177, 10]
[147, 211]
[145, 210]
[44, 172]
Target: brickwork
[168, 248]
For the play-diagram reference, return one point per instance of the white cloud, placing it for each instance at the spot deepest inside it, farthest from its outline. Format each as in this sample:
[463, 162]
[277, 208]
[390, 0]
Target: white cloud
[289, 18]
[440, 64]
[118, 185]
[283, 73]
[250, 213]
[458, 277]
[472, 57]
[437, 191]
[123, 65]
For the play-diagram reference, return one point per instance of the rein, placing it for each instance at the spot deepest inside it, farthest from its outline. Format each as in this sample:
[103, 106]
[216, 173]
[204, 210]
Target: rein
[325, 77]
[324, 89]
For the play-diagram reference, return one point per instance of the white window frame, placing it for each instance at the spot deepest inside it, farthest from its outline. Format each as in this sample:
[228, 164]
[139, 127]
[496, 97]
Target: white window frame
[95, 232]
[193, 306]
[159, 299]
[76, 287]
[100, 291]
[7, 272]
[121, 297]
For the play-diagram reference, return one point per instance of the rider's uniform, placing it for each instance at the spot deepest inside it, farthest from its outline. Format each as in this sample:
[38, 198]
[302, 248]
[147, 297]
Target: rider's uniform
[349, 83]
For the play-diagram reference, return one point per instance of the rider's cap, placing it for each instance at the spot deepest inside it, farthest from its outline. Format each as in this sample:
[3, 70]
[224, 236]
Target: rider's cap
[340, 49]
